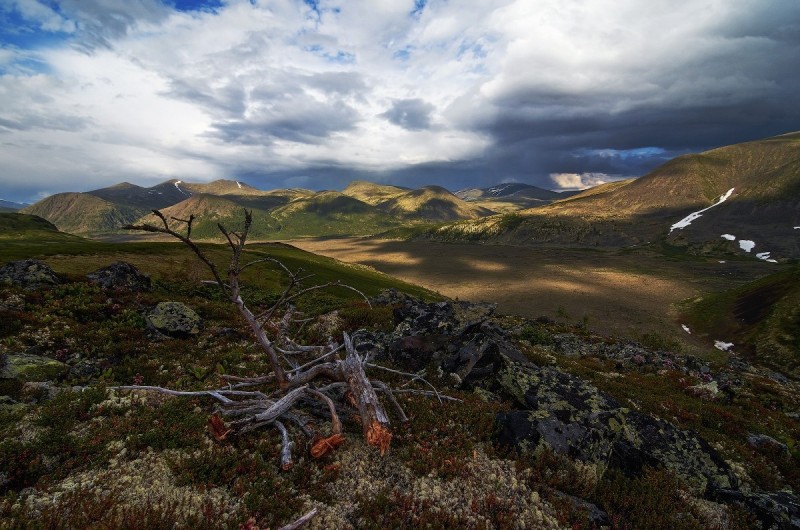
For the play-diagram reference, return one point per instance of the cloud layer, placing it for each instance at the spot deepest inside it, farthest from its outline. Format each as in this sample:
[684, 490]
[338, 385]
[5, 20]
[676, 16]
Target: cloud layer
[467, 93]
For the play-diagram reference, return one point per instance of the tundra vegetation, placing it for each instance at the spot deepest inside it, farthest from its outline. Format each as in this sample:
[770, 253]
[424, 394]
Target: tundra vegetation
[95, 443]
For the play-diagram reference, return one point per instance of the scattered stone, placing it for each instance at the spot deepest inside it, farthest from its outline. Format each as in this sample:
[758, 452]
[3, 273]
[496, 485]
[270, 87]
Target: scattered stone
[28, 273]
[40, 391]
[120, 275]
[9, 405]
[595, 517]
[762, 441]
[710, 389]
[174, 319]
[777, 510]
[29, 367]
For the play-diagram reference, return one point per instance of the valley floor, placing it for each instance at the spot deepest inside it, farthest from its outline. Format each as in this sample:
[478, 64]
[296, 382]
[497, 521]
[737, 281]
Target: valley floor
[627, 293]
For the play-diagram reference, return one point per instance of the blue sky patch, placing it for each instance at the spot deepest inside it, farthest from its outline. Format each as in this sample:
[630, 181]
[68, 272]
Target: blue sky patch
[403, 55]
[625, 154]
[197, 5]
[18, 31]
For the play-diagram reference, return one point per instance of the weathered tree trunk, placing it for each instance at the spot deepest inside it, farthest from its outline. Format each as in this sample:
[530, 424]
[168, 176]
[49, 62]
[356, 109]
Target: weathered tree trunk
[374, 421]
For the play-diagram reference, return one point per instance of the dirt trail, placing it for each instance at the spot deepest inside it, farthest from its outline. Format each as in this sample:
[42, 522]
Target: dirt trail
[614, 294]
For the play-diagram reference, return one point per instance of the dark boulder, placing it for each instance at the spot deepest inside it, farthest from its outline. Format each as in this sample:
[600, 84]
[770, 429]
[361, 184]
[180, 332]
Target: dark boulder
[764, 442]
[120, 275]
[28, 273]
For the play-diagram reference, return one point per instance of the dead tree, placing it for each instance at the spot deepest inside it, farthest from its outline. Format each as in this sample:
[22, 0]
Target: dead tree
[333, 379]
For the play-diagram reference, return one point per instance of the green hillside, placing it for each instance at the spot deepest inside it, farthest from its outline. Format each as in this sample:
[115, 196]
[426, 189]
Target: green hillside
[83, 213]
[761, 319]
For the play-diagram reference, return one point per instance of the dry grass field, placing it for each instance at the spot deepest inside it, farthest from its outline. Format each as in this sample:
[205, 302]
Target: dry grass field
[613, 293]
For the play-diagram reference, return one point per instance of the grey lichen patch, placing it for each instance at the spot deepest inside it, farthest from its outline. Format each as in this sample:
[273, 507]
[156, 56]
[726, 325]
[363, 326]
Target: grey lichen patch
[174, 319]
[362, 469]
[146, 480]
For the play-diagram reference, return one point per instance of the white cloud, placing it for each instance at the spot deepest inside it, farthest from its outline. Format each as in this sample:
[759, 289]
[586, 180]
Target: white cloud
[266, 86]
[44, 16]
[582, 181]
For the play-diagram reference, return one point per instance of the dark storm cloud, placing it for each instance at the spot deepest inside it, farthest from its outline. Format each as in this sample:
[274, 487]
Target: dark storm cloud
[411, 114]
[743, 87]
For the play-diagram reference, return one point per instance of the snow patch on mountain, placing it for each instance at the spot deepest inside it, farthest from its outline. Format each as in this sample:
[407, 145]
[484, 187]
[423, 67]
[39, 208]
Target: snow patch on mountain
[765, 257]
[746, 245]
[729, 237]
[686, 221]
[721, 345]
[179, 188]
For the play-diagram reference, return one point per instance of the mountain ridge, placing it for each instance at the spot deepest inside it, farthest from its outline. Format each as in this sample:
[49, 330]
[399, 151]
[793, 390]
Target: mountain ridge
[764, 206]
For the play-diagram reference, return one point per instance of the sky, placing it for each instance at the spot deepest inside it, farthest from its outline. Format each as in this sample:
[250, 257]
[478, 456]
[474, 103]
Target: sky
[561, 94]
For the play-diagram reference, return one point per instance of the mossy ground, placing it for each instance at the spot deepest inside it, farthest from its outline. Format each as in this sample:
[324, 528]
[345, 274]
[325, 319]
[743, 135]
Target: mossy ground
[95, 458]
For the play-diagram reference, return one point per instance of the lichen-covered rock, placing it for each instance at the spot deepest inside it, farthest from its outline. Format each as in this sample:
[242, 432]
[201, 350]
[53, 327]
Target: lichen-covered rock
[29, 367]
[566, 414]
[174, 319]
[553, 410]
[120, 275]
[28, 273]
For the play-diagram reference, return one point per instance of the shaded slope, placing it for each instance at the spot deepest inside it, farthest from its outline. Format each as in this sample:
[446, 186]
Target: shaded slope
[509, 197]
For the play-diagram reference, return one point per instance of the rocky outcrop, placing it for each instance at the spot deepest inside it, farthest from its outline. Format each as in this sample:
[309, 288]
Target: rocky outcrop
[567, 415]
[551, 409]
[29, 367]
[28, 273]
[120, 275]
[777, 510]
[174, 319]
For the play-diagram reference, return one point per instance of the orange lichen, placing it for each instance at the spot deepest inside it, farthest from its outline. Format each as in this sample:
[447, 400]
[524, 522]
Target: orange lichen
[378, 435]
[323, 446]
[217, 427]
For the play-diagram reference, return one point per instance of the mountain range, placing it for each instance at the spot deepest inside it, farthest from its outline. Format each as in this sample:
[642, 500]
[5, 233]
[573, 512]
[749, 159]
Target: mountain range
[512, 196]
[9, 206]
[739, 199]
[362, 208]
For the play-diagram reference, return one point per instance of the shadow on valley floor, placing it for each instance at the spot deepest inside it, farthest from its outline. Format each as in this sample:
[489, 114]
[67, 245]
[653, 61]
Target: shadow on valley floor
[612, 292]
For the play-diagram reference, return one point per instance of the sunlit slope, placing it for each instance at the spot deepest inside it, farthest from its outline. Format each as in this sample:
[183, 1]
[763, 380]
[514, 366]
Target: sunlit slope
[764, 205]
[83, 213]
